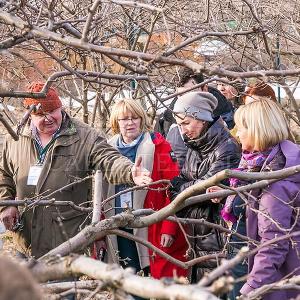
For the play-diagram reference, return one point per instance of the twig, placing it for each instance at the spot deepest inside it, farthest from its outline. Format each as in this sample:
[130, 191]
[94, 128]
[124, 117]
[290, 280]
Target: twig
[97, 197]
[148, 245]
[287, 284]
[244, 252]
[98, 231]
[58, 287]
[8, 127]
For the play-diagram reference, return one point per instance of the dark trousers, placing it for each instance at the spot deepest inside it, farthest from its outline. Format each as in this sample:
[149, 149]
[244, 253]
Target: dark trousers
[239, 270]
[129, 256]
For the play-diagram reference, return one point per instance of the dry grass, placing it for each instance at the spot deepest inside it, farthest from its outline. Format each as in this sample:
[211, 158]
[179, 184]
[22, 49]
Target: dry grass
[9, 247]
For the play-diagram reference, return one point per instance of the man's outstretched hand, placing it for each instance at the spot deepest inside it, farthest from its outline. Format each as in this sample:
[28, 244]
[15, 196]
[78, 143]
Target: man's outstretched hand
[140, 175]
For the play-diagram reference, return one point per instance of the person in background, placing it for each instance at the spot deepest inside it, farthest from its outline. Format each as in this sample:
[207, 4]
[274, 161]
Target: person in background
[186, 77]
[211, 149]
[259, 90]
[272, 212]
[223, 109]
[232, 92]
[254, 92]
[53, 152]
[133, 138]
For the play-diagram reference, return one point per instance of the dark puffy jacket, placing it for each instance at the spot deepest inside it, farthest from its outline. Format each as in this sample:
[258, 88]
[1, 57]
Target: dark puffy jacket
[214, 151]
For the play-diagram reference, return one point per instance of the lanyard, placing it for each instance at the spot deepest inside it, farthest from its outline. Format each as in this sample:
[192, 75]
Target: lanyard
[42, 151]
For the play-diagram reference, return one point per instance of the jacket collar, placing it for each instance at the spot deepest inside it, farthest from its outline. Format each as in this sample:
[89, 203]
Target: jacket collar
[145, 150]
[284, 155]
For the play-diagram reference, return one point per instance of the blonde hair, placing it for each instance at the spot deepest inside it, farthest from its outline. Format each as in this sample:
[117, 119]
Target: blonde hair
[264, 121]
[128, 105]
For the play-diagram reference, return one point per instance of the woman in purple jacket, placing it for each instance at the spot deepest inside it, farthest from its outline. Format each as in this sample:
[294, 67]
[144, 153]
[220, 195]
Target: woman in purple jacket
[263, 131]
[272, 212]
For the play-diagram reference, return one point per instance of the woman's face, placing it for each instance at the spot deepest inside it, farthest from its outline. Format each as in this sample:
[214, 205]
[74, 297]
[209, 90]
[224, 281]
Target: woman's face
[130, 126]
[242, 134]
[228, 91]
[189, 126]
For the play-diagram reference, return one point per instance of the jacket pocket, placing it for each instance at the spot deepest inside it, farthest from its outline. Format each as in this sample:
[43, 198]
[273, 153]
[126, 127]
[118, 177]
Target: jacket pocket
[63, 161]
[208, 239]
[66, 224]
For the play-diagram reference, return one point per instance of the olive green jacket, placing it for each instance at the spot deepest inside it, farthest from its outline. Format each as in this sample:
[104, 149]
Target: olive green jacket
[77, 151]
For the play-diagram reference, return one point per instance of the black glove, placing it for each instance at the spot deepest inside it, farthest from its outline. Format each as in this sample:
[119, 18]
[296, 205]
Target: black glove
[173, 194]
[174, 189]
[177, 182]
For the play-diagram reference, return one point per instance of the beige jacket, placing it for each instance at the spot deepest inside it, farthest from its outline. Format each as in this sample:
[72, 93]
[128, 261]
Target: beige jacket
[145, 150]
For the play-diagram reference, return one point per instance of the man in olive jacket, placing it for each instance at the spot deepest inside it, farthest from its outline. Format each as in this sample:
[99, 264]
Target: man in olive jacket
[55, 151]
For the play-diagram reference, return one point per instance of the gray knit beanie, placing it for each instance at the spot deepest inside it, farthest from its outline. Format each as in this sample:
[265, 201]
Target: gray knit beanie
[199, 105]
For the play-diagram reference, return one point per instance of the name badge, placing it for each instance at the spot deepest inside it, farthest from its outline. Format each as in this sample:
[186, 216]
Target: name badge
[34, 174]
[126, 200]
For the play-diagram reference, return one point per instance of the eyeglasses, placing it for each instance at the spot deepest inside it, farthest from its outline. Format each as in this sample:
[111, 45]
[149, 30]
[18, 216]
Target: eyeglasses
[45, 114]
[127, 120]
[42, 115]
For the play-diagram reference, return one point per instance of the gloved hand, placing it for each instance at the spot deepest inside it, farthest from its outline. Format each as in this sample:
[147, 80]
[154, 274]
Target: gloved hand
[174, 188]
[172, 193]
[177, 182]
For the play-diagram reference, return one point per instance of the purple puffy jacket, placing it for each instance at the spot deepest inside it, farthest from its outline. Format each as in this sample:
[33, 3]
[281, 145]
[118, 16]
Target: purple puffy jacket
[279, 202]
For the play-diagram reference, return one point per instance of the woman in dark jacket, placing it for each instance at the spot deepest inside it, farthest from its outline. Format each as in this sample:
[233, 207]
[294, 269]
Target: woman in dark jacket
[211, 149]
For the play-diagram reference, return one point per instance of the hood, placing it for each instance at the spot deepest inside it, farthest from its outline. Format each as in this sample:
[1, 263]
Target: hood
[284, 155]
[291, 153]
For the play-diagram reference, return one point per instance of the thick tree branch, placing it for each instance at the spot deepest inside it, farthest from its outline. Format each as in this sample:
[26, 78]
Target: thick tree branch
[118, 278]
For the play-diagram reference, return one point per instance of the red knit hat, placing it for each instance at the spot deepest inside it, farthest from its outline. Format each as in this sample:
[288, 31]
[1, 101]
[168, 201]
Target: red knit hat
[51, 102]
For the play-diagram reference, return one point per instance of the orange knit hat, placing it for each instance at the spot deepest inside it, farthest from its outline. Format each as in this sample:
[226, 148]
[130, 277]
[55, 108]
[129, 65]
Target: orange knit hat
[51, 102]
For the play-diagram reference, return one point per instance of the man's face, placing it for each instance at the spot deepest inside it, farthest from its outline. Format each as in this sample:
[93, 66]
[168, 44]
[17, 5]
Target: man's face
[228, 91]
[190, 126]
[190, 84]
[47, 122]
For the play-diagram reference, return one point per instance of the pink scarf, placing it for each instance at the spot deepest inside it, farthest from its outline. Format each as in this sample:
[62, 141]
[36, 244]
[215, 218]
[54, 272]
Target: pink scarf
[250, 162]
